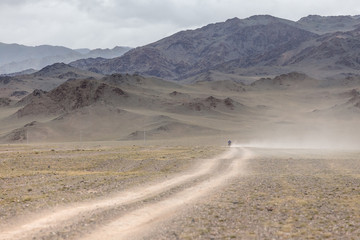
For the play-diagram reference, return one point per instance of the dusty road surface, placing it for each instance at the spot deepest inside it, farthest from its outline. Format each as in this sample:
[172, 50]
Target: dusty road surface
[130, 213]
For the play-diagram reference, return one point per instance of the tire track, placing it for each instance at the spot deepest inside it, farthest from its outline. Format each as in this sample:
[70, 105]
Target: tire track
[136, 223]
[131, 222]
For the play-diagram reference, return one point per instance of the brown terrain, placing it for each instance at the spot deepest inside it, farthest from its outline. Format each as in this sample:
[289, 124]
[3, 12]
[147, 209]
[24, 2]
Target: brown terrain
[125, 156]
[145, 159]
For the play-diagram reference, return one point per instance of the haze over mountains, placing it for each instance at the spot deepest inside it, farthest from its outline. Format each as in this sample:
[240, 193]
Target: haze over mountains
[291, 109]
[261, 78]
[46, 79]
[17, 58]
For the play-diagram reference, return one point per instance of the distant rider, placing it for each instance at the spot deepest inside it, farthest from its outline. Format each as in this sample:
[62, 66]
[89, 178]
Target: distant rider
[229, 143]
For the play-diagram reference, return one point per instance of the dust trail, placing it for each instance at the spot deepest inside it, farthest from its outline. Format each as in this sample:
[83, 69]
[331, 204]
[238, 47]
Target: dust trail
[135, 224]
[53, 219]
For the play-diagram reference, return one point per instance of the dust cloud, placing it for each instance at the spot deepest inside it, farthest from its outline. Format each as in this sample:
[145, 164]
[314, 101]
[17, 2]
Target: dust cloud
[326, 134]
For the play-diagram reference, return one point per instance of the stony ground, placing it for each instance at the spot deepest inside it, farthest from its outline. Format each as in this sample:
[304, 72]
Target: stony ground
[37, 177]
[286, 194]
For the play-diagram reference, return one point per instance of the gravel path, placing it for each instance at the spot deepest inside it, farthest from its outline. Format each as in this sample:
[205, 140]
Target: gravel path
[128, 211]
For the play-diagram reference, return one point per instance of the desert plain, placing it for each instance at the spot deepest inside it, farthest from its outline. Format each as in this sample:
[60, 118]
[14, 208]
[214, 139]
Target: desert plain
[149, 160]
[92, 190]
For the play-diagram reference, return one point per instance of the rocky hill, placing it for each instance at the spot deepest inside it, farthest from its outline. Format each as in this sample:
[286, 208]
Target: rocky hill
[293, 80]
[72, 95]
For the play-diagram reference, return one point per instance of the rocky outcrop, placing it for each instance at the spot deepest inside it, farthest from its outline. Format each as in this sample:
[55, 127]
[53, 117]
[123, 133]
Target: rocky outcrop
[71, 95]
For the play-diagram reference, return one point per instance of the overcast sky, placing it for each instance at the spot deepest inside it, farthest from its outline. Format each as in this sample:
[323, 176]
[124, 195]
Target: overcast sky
[110, 23]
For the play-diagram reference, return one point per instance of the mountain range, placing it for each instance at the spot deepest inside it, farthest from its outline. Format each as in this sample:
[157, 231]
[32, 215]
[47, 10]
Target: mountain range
[17, 58]
[258, 45]
[240, 49]
[256, 79]
[46, 79]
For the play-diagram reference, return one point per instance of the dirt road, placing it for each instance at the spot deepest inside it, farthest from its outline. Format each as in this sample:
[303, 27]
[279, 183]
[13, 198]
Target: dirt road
[131, 212]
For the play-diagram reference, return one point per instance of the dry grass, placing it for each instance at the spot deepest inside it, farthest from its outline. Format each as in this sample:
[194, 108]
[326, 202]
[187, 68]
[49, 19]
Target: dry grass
[34, 177]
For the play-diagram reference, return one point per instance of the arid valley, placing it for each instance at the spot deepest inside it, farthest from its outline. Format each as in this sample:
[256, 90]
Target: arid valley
[164, 170]
[136, 146]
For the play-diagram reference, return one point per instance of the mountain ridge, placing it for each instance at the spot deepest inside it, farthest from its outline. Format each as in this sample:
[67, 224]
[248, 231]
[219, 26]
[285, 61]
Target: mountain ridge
[193, 51]
[16, 57]
[257, 41]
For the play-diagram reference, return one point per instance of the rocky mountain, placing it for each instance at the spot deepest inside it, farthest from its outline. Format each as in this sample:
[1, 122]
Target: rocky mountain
[17, 58]
[257, 42]
[46, 79]
[340, 49]
[194, 51]
[329, 24]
